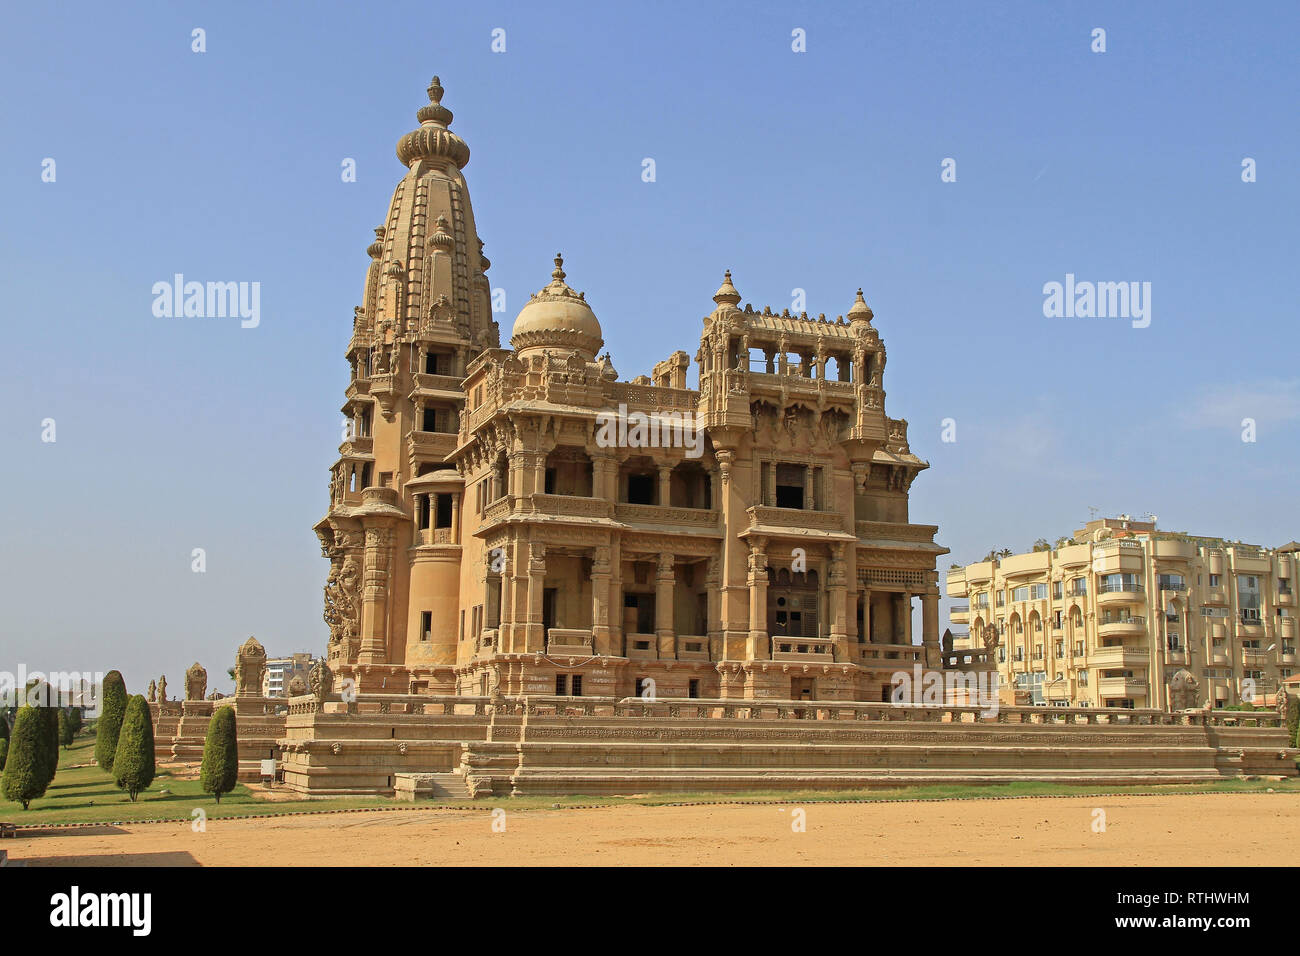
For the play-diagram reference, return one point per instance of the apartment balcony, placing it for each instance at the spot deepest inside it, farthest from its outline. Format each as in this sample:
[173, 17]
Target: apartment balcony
[1176, 655]
[1255, 657]
[1286, 599]
[959, 614]
[1218, 658]
[1124, 627]
[807, 650]
[1215, 596]
[1119, 656]
[1288, 657]
[1250, 627]
[1286, 626]
[1120, 594]
[957, 583]
[1122, 687]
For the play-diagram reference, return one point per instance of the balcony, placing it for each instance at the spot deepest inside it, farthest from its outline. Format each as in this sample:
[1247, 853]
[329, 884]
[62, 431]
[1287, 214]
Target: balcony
[1119, 656]
[808, 650]
[692, 647]
[571, 505]
[795, 518]
[434, 445]
[1124, 627]
[644, 647]
[1215, 596]
[357, 445]
[892, 654]
[959, 614]
[1254, 657]
[427, 536]
[661, 515]
[1122, 687]
[1120, 594]
[1176, 655]
[1286, 598]
[560, 640]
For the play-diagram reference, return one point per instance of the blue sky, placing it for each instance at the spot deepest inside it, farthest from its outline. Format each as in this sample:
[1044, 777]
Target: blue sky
[817, 170]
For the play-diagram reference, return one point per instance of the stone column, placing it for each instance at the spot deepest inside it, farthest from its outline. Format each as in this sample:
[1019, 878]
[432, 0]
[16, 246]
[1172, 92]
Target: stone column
[866, 634]
[600, 589]
[905, 609]
[665, 485]
[455, 518]
[374, 597]
[757, 580]
[837, 603]
[713, 626]
[535, 639]
[930, 625]
[665, 580]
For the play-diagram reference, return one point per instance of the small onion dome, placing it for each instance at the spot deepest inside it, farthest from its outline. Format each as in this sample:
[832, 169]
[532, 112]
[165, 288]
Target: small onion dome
[484, 263]
[394, 270]
[557, 318]
[861, 312]
[441, 238]
[433, 140]
[376, 248]
[445, 479]
[727, 294]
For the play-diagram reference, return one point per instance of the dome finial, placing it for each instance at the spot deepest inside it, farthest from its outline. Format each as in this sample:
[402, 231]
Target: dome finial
[861, 312]
[727, 294]
[433, 140]
[435, 91]
[558, 274]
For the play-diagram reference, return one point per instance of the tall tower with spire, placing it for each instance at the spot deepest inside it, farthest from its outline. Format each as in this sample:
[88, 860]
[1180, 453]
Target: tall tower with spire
[425, 315]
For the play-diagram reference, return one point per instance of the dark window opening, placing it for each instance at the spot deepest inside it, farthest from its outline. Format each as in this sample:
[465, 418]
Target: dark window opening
[693, 688]
[577, 685]
[443, 517]
[640, 489]
[561, 685]
[426, 625]
[550, 481]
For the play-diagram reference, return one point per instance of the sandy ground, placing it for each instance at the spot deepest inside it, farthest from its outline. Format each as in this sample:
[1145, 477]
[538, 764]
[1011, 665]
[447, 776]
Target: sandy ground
[1204, 830]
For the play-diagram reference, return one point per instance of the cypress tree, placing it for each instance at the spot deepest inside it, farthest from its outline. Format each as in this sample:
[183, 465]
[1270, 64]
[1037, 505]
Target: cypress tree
[220, 768]
[26, 773]
[133, 764]
[67, 729]
[4, 735]
[112, 708]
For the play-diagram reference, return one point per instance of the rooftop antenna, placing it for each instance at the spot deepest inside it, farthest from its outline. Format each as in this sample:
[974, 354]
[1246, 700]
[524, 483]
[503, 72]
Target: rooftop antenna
[1092, 512]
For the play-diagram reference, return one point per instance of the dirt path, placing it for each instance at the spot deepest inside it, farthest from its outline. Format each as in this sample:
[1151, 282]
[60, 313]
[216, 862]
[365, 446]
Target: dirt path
[1205, 830]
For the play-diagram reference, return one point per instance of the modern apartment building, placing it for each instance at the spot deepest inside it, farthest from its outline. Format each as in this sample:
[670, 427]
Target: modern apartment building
[280, 672]
[1108, 617]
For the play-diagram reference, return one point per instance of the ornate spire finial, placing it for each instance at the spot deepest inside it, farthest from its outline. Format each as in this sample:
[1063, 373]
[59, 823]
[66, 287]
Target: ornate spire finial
[558, 274]
[860, 311]
[727, 294]
[435, 91]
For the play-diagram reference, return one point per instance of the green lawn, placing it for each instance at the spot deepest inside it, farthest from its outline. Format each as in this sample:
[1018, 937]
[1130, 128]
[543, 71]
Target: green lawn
[85, 794]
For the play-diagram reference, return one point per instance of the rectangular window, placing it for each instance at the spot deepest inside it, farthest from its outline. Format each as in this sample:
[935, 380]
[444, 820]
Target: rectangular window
[1110, 583]
[577, 685]
[790, 483]
[561, 685]
[1056, 590]
[426, 625]
[1214, 580]
[693, 687]
[1021, 593]
[1172, 582]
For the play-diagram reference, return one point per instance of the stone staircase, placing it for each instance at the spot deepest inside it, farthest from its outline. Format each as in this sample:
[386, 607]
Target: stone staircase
[438, 787]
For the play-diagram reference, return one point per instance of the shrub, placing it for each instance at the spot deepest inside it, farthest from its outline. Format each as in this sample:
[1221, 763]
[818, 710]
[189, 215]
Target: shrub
[26, 771]
[112, 708]
[220, 768]
[133, 764]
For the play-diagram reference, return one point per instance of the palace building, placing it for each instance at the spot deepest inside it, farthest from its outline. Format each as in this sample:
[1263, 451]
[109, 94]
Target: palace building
[486, 536]
[1123, 615]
